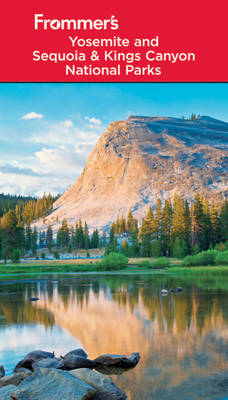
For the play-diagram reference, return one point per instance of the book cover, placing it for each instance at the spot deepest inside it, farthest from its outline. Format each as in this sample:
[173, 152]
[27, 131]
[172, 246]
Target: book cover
[113, 200]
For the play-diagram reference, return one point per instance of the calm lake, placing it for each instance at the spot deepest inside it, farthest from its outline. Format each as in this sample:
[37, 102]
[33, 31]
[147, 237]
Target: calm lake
[182, 337]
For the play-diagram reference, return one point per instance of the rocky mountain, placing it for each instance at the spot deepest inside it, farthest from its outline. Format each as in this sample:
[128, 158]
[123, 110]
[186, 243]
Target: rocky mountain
[142, 158]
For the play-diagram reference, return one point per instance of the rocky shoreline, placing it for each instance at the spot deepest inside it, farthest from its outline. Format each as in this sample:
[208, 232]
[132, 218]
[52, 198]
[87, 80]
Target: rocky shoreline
[42, 376]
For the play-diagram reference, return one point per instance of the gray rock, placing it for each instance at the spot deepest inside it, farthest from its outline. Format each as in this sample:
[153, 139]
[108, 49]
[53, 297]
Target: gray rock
[106, 389]
[14, 379]
[34, 299]
[32, 357]
[118, 360]
[77, 352]
[5, 392]
[2, 371]
[48, 363]
[74, 362]
[23, 370]
[110, 370]
[53, 384]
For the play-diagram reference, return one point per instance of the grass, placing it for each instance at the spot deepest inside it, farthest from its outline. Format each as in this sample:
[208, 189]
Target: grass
[135, 266]
[53, 267]
[201, 270]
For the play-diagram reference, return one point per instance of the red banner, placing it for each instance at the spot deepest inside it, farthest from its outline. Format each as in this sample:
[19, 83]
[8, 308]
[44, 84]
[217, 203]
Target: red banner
[119, 41]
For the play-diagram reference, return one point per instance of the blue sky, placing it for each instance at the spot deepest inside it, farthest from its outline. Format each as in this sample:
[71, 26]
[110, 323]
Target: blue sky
[48, 130]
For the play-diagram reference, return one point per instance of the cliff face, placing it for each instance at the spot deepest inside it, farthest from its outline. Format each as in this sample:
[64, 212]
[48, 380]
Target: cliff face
[142, 158]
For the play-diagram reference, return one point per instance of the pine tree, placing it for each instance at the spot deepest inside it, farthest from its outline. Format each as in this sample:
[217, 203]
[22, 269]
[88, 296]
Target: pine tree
[63, 235]
[42, 239]
[180, 248]
[49, 238]
[179, 227]
[146, 233]
[156, 248]
[215, 223]
[198, 232]
[124, 247]
[112, 236]
[157, 219]
[95, 239]
[28, 237]
[133, 239]
[15, 256]
[86, 237]
[11, 233]
[112, 244]
[208, 230]
[123, 225]
[166, 224]
[104, 239]
[117, 226]
[131, 223]
[34, 241]
[187, 217]
[224, 221]
[79, 235]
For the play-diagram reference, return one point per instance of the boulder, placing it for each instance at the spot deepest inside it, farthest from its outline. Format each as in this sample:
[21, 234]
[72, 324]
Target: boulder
[106, 389]
[23, 370]
[6, 391]
[118, 360]
[74, 362]
[48, 363]
[14, 379]
[32, 357]
[110, 370]
[77, 352]
[53, 384]
[2, 371]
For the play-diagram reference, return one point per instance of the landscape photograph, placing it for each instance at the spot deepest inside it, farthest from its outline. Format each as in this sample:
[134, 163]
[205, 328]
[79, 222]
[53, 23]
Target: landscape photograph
[114, 241]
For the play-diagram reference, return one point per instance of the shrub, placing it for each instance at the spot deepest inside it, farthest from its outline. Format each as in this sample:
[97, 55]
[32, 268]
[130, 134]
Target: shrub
[221, 258]
[112, 262]
[156, 248]
[202, 258]
[15, 256]
[160, 263]
[56, 255]
[43, 256]
[221, 246]
[196, 249]
[180, 248]
[145, 263]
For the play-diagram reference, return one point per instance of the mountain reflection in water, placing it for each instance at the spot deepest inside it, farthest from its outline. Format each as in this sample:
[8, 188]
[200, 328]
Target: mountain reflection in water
[182, 338]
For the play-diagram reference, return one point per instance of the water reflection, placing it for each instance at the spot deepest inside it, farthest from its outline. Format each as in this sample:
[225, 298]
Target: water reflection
[182, 338]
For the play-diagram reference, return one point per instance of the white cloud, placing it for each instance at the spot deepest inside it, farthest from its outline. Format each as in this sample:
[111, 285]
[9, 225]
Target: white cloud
[94, 121]
[68, 123]
[35, 185]
[61, 161]
[32, 115]
[64, 133]
[59, 154]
